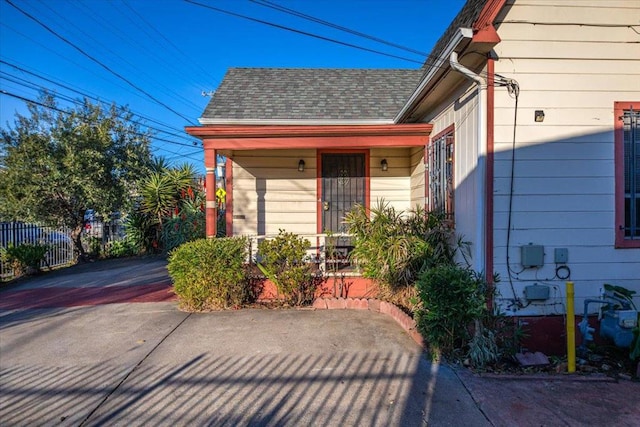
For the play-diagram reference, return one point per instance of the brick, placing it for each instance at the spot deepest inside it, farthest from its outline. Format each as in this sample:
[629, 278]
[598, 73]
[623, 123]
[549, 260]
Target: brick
[320, 304]
[357, 304]
[385, 307]
[374, 305]
[336, 303]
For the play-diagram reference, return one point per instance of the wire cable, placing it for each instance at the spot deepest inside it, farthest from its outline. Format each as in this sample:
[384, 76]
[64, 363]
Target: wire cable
[289, 11]
[293, 30]
[92, 58]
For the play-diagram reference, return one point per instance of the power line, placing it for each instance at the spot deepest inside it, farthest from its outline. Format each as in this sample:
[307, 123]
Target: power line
[106, 67]
[129, 40]
[37, 87]
[31, 101]
[204, 72]
[272, 5]
[282, 27]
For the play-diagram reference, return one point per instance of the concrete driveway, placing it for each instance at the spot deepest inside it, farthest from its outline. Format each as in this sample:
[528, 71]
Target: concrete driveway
[75, 350]
[150, 364]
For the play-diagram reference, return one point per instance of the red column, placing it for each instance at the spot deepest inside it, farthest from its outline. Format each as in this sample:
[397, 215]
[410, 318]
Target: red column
[211, 207]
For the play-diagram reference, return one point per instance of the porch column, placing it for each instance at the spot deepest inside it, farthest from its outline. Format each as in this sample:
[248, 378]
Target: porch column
[211, 206]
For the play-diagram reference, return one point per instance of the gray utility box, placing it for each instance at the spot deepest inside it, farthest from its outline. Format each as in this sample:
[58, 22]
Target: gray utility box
[532, 256]
[536, 292]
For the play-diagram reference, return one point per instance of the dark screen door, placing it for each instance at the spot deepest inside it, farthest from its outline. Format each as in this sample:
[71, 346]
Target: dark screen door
[343, 185]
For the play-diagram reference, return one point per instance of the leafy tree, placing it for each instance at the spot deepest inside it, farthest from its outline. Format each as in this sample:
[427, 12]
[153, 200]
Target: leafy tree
[55, 164]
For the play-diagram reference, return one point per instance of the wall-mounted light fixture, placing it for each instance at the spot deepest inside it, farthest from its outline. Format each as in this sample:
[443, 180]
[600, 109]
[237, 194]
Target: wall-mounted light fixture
[301, 166]
[539, 116]
[384, 165]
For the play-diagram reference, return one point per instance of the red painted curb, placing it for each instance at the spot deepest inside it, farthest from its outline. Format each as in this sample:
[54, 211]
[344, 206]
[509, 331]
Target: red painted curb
[74, 297]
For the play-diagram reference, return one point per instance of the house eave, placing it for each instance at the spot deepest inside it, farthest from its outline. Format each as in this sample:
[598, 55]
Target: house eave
[206, 121]
[221, 137]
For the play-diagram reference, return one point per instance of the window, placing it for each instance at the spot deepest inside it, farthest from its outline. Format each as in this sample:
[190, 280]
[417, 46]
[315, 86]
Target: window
[440, 173]
[627, 158]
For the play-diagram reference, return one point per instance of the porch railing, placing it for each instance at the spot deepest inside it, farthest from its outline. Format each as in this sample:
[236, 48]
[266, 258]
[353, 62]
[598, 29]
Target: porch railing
[330, 252]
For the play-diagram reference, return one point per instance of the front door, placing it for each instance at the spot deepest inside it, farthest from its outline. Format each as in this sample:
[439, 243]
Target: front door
[343, 186]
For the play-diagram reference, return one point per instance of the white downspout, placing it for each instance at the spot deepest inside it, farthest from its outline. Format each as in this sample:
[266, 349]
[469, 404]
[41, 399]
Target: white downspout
[478, 249]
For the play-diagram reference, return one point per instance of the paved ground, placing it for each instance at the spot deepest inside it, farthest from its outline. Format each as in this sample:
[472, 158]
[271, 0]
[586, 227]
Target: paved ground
[90, 356]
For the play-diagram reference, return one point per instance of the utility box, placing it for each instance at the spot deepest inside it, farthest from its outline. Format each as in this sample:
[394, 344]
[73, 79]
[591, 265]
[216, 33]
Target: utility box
[532, 256]
[561, 255]
[536, 292]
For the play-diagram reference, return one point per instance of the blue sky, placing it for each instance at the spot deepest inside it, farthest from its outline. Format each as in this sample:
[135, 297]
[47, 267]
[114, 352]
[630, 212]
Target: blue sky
[173, 50]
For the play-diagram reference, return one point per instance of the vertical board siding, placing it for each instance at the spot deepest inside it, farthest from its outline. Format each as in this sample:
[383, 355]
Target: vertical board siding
[563, 193]
[462, 112]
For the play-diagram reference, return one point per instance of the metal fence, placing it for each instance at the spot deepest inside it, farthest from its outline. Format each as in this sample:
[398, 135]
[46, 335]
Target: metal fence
[59, 245]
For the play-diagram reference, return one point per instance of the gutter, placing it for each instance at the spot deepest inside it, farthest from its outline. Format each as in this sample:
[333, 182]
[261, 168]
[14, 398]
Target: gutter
[463, 34]
[480, 235]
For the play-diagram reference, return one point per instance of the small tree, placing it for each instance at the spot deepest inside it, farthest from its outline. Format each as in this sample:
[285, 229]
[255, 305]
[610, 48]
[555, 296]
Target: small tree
[58, 163]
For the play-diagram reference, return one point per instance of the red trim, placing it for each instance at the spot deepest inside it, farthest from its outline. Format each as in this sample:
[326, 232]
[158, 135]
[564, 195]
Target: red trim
[484, 31]
[488, 250]
[228, 176]
[618, 111]
[288, 131]
[305, 137]
[367, 180]
[211, 213]
[449, 130]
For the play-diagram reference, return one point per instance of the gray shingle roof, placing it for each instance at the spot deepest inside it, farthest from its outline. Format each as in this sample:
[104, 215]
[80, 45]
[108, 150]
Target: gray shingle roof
[464, 19]
[311, 94]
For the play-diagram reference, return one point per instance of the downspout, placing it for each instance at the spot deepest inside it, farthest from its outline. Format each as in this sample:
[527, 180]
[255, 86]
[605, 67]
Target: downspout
[478, 251]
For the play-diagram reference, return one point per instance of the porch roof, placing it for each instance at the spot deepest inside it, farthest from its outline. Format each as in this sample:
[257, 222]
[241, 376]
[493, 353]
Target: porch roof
[310, 96]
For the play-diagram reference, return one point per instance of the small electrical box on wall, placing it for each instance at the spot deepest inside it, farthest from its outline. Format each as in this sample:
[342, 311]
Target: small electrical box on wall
[532, 256]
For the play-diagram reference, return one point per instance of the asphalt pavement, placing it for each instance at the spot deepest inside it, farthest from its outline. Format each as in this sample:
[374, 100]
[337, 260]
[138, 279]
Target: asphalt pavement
[83, 360]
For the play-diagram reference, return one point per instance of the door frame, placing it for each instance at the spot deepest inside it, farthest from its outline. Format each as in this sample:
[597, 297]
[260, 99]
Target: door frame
[367, 180]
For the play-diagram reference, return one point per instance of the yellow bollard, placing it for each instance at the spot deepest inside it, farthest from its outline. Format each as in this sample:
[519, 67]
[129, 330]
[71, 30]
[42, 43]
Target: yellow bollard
[571, 329]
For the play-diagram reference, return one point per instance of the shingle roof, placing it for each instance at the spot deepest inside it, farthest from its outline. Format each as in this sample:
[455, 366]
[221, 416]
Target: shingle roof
[311, 94]
[464, 19]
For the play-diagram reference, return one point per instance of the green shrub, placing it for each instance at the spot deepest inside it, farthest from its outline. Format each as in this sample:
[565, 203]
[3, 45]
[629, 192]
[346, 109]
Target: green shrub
[452, 298]
[284, 261]
[182, 228]
[24, 257]
[210, 274]
[121, 248]
[393, 248]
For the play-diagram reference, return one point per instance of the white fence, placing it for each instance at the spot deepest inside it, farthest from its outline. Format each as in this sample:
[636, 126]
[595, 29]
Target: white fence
[58, 241]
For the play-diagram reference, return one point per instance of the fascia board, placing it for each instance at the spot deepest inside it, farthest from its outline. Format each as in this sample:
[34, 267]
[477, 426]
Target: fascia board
[463, 34]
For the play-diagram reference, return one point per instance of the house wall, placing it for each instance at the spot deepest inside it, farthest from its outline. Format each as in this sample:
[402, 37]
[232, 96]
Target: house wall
[461, 111]
[269, 193]
[394, 185]
[417, 179]
[563, 192]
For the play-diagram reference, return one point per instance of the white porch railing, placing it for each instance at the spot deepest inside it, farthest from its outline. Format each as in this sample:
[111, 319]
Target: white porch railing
[329, 251]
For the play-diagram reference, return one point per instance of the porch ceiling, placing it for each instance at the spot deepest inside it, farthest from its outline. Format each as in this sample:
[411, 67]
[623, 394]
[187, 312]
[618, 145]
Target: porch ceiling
[311, 137]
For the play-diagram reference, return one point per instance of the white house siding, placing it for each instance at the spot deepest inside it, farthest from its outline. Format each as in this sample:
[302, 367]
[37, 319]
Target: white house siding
[394, 185]
[563, 192]
[269, 193]
[461, 111]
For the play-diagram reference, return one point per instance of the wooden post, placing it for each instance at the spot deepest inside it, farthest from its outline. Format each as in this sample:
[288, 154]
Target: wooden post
[211, 206]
